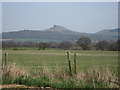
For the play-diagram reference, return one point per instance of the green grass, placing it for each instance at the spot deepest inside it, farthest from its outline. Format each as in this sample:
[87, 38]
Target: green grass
[35, 61]
[59, 58]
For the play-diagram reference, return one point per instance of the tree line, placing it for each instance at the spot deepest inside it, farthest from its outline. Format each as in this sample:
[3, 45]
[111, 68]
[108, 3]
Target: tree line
[83, 43]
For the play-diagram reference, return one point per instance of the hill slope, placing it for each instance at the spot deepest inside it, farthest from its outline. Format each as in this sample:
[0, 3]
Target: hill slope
[58, 33]
[109, 35]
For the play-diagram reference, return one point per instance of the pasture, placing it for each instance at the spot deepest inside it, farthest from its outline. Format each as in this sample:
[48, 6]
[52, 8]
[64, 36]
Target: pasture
[52, 62]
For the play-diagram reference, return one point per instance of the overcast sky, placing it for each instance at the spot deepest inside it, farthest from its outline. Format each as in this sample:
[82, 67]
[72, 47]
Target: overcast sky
[77, 16]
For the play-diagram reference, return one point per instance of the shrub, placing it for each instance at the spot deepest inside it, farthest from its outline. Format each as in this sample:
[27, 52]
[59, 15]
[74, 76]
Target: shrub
[91, 47]
[65, 45]
[42, 81]
[15, 49]
[7, 80]
[25, 80]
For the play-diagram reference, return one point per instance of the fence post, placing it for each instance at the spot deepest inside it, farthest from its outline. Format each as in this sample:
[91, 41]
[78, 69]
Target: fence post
[69, 63]
[2, 63]
[5, 59]
[75, 63]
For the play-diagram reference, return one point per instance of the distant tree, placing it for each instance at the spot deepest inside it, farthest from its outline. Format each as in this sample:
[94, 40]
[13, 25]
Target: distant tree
[8, 44]
[102, 45]
[53, 44]
[4, 44]
[65, 45]
[43, 45]
[28, 44]
[0, 45]
[84, 42]
[118, 44]
[113, 46]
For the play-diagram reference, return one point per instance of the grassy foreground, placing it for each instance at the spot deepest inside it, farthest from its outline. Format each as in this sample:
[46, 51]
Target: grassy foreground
[49, 68]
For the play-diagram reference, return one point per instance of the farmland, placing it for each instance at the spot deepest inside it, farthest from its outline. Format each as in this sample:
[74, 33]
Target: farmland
[53, 63]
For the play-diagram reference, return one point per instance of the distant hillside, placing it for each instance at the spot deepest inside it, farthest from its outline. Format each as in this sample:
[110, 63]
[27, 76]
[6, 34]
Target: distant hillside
[58, 33]
[109, 35]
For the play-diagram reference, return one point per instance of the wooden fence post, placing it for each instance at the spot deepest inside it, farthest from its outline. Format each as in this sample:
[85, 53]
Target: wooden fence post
[5, 59]
[69, 63]
[75, 63]
[2, 63]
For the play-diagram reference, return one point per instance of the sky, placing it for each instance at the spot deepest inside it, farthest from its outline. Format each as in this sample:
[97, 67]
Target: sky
[87, 17]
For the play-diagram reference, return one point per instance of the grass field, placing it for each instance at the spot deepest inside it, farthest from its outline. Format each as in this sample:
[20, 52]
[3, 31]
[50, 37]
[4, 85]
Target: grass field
[54, 62]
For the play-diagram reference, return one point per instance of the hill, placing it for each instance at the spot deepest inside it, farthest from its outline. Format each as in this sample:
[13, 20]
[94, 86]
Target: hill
[109, 35]
[58, 33]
